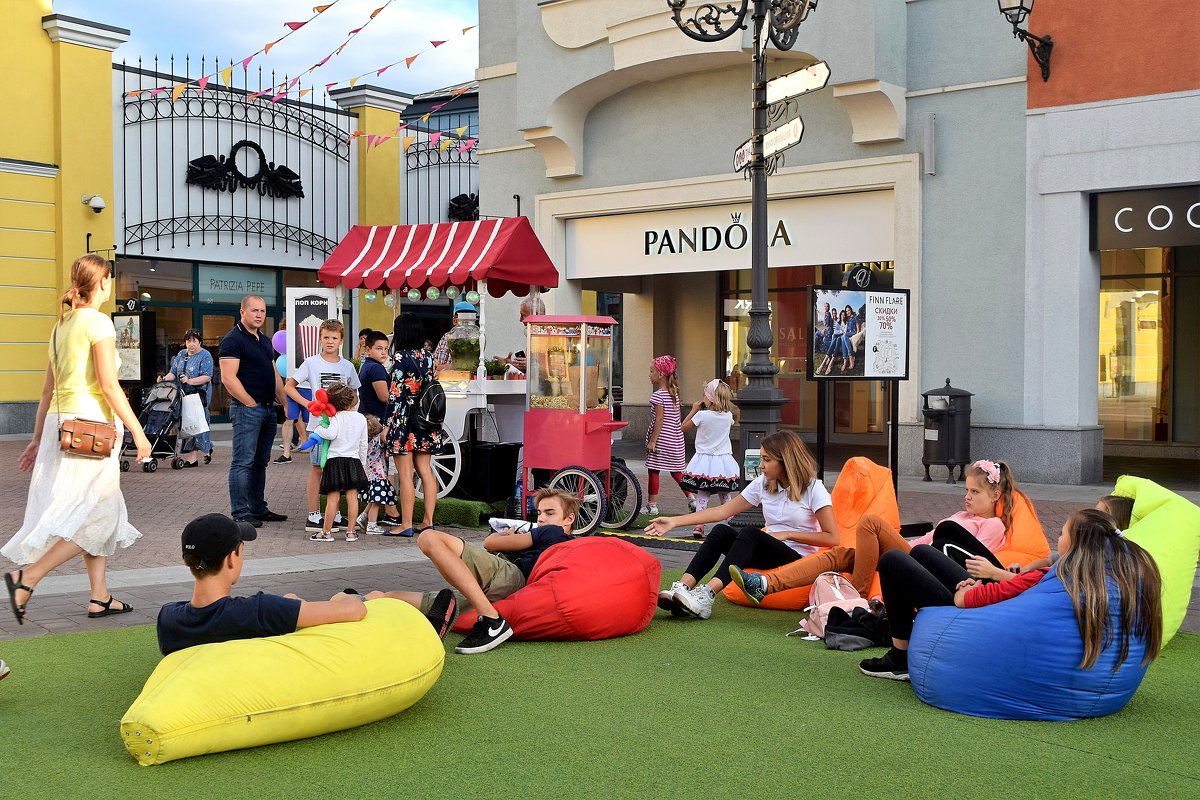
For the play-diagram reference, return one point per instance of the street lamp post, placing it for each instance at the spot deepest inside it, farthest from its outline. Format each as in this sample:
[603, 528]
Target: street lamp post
[760, 400]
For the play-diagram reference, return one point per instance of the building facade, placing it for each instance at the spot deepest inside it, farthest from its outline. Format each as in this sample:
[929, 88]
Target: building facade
[926, 163]
[207, 195]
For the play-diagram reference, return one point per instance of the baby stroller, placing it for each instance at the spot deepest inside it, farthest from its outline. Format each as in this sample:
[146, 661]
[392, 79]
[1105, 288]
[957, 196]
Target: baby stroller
[161, 417]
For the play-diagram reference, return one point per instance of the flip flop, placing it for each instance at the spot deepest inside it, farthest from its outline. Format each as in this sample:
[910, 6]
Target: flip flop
[108, 610]
[13, 587]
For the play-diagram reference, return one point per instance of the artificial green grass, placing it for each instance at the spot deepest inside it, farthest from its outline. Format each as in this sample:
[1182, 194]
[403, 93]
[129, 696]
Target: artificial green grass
[727, 707]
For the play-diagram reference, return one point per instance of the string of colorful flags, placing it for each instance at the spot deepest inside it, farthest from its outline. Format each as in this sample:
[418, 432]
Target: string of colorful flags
[442, 139]
[407, 62]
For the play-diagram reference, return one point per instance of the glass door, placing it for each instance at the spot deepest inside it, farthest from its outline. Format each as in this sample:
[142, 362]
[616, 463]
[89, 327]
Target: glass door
[215, 322]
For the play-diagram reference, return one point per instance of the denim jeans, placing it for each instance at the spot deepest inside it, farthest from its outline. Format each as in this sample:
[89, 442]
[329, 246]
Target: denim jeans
[253, 435]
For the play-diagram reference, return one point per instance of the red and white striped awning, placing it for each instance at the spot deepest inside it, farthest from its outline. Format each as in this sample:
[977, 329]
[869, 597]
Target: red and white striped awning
[503, 252]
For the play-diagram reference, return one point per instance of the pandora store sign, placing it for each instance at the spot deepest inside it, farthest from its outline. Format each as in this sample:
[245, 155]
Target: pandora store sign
[1147, 218]
[831, 229]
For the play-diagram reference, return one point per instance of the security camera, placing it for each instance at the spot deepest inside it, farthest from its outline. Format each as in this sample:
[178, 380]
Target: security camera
[94, 201]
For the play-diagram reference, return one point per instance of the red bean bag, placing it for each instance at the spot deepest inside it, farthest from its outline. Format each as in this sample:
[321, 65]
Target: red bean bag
[862, 488]
[582, 590]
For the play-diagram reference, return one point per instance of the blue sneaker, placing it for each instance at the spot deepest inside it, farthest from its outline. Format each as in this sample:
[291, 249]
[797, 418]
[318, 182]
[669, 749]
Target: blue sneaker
[753, 585]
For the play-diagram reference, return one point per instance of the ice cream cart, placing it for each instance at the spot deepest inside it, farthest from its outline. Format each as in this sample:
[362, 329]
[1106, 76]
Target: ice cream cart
[568, 421]
[471, 260]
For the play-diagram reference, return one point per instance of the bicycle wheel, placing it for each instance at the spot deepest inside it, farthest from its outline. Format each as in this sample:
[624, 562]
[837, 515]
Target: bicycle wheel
[624, 496]
[585, 486]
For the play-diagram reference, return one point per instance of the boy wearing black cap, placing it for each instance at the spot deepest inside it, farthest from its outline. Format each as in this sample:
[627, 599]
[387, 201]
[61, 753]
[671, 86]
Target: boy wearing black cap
[212, 550]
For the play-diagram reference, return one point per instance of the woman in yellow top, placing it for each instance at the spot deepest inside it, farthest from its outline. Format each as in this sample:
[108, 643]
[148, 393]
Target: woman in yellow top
[75, 506]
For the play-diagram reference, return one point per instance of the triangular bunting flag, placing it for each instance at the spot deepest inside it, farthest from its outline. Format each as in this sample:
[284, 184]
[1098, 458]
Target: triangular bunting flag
[376, 11]
[277, 97]
[294, 81]
[463, 90]
[351, 33]
[380, 71]
[439, 107]
[203, 83]
[445, 143]
[424, 117]
[408, 142]
[370, 140]
[329, 86]
[321, 9]
[433, 137]
[156, 92]
[134, 93]
[354, 81]
[246, 61]
[227, 75]
[341, 47]
[381, 139]
[295, 25]
[438, 44]
[461, 130]
[267, 47]
[253, 96]
[321, 63]
[304, 92]
[467, 145]
[469, 27]
[408, 61]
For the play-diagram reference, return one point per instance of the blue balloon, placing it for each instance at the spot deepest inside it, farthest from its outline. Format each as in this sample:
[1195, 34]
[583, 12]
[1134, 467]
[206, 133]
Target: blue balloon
[281, 365]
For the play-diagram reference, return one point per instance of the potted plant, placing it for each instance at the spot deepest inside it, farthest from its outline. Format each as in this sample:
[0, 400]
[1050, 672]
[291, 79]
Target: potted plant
[495, 368]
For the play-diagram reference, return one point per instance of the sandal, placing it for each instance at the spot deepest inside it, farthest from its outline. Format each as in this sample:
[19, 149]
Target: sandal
[108, 610]
[351, 536]
[321, 537]
[13, 587]
[698, 532]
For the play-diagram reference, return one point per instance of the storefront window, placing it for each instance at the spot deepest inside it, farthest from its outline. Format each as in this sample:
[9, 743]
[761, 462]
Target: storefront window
[154, 281]
[857, 407]
[1149, 358]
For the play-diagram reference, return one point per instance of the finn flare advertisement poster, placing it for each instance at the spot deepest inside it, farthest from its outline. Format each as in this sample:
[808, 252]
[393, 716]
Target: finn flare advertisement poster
[859, 334]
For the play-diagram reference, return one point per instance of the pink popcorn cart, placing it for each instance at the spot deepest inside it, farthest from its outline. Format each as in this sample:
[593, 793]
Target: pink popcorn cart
[568, 420]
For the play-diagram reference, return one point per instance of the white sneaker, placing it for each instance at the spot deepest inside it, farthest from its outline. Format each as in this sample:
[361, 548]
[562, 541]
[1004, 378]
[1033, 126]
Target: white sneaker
[698, 602]
[361, 523]
[4, 670]
[650, 508]
[691, 503]
[315, 523]
[666, 599]
[338, 520]
[373, 529]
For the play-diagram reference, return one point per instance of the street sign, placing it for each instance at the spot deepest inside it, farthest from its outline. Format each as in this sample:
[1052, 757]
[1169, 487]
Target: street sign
[803, 81]
[775, 141]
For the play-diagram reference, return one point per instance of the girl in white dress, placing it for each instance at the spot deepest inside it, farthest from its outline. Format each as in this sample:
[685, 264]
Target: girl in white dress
[712, 469]
[75, 505]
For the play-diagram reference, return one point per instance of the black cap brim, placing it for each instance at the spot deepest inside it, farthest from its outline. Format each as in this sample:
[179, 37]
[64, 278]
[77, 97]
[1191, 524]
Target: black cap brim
[246, 531]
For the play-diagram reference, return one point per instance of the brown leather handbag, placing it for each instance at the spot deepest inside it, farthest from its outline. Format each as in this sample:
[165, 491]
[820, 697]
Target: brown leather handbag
[87, 438]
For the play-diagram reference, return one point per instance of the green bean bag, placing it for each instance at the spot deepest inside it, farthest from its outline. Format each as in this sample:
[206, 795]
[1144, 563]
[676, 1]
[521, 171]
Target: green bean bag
[1168, 527]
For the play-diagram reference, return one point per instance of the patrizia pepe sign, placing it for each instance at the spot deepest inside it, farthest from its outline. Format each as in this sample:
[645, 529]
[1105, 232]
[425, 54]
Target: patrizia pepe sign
[828, 229]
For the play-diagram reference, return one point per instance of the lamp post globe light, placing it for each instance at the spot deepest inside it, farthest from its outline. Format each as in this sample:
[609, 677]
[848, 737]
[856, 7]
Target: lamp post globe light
[760, 400]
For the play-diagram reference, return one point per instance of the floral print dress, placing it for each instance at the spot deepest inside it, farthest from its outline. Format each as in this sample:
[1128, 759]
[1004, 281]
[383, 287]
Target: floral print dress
[410, 371]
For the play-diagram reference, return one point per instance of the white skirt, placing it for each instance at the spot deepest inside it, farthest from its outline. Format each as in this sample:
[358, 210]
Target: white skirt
[72, 498]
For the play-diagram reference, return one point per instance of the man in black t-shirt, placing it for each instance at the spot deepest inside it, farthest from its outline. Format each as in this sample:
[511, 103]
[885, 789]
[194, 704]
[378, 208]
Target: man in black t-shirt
[249, 375]
[494, 571]
[213, 551]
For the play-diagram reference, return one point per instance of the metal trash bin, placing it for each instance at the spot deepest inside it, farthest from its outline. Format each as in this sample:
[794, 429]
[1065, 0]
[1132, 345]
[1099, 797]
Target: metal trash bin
[947, 413]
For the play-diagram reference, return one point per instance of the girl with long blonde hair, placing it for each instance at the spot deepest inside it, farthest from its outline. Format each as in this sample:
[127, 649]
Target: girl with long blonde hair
[75, 506]
[712, 469]
[799, 519]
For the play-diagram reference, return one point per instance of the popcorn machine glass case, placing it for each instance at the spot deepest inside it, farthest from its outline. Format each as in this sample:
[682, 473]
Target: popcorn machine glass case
[570, 365]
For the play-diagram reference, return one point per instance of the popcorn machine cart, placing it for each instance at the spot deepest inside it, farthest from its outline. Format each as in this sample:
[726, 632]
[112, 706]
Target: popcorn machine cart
[568, 420]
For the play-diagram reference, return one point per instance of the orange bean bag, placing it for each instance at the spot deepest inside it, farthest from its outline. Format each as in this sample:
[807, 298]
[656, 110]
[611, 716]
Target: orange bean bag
[863, 488]
[1026, 541]
[582, 590]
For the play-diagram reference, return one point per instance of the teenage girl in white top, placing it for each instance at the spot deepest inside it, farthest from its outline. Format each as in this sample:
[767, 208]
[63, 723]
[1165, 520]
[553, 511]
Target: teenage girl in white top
[799, 519]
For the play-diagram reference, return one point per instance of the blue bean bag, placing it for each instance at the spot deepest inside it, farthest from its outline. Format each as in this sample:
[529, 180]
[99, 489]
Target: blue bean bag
[1020, 659]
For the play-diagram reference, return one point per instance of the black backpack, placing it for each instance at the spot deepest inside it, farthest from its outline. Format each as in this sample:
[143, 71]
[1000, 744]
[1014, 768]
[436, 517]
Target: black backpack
[428, 412]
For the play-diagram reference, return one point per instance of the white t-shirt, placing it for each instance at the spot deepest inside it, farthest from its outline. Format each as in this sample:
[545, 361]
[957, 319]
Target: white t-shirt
[317, 373]
[347, 433]
[784, 515]
[712, 432]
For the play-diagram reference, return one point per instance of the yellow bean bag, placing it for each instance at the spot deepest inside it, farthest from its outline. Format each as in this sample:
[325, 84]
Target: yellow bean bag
[1168, 527]
[250, 692]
